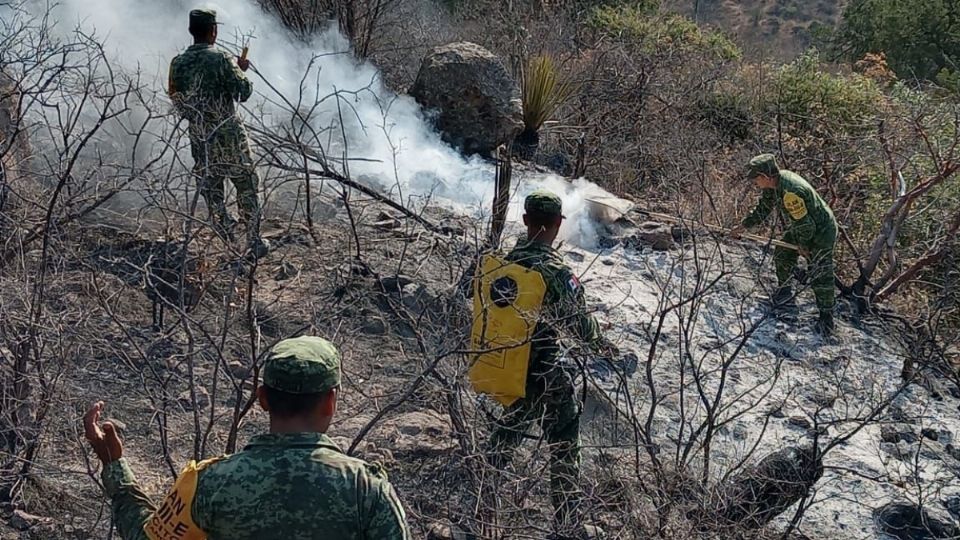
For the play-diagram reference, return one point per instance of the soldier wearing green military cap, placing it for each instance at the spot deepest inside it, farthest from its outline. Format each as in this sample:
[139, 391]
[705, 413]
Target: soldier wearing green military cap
[293, 482]
[205, 83]
[551, 399]
[809, 224]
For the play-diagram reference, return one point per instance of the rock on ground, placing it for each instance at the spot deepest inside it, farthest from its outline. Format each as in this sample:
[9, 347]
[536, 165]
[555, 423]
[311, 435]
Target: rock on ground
[909, 522]
[476, 100]
[761, 493]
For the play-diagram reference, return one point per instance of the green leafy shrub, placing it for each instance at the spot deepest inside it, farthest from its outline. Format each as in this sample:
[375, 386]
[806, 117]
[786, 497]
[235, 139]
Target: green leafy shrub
[657, 32]
[813, 101]
[949, 80]
[920, 37]
[728, 112]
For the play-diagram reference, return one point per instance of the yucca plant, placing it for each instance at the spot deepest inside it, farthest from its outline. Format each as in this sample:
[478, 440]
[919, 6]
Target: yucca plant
[543, 91]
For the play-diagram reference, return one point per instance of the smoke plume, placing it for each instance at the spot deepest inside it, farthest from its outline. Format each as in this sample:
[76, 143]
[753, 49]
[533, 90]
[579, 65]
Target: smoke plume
[389, 143]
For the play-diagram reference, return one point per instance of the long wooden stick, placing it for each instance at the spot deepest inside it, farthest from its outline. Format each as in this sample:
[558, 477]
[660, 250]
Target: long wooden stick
[720, 230]
[691, 223]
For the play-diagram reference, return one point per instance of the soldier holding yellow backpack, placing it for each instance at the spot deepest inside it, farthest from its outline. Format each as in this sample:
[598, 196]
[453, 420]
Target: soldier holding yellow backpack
[558, 309]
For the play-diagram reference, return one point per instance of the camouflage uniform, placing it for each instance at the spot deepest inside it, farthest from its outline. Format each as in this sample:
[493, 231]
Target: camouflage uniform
[282, 485]
[204, 85]
[550, 393]
[809, 224]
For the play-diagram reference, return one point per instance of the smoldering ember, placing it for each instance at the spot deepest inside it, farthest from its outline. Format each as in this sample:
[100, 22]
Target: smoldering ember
[456, 269]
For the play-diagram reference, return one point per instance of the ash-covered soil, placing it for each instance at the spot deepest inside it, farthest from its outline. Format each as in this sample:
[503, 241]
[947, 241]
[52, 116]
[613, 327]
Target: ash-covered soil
[728, 383]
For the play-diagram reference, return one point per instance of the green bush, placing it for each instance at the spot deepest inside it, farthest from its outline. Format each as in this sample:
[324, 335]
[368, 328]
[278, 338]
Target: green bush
[811, 100]
[949, 80]
[652, 33]
[728, 112]
[920, 37]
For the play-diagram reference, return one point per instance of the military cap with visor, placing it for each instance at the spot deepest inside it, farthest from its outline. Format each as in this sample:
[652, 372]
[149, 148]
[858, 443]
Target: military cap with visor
[302, 365]
[203, 17]
[543, 202]
[765, 164]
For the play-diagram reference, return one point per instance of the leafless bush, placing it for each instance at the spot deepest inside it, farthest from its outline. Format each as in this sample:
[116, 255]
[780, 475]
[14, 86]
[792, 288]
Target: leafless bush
[102, 197]
[361, 21]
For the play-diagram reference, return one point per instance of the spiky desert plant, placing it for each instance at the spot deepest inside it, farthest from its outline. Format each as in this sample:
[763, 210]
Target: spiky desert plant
[543, 91]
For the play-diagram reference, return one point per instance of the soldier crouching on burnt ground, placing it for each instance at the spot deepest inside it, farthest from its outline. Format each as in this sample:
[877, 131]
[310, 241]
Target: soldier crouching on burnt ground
[809, 224]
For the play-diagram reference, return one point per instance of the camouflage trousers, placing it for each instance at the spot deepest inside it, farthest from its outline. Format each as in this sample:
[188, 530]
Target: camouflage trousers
[550, 402]
[222, 156]
[821, 273]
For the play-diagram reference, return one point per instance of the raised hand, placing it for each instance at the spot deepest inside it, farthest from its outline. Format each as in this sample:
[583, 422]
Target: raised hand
[104, 439]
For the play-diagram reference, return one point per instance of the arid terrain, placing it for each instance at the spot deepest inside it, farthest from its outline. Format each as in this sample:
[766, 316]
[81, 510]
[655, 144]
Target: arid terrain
[715, 420]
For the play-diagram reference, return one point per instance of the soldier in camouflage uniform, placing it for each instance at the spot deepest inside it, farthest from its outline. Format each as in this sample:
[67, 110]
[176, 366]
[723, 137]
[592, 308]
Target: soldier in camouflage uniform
[291, 483]
[809, 224]
[550, 394]
[204, 85]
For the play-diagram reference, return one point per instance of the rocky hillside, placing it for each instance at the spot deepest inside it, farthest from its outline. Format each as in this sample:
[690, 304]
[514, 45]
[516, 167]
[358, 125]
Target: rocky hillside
[781, 28]
[715, 420]
[707, 385]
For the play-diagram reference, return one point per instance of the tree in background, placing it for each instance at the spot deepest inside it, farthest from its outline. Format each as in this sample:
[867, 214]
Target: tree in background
[921, 38]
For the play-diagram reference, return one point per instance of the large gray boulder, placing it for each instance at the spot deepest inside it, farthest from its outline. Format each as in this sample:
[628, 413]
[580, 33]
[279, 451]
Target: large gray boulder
[473, 99]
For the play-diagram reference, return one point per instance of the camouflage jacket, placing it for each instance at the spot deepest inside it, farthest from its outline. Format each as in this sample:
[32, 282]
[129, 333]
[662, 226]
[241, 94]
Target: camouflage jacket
[297, 485]
[809, 221]
[564, 306]
[204, 85]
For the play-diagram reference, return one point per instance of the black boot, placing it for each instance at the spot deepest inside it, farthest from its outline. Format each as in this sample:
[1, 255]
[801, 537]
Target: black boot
[825, 326]
[224, 226]
[784, 298]
[783, 303]
[259, 247]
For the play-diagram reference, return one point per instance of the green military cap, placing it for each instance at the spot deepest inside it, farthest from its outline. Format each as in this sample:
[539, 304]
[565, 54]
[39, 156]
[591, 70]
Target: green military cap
[203, 17]
[302, 365]
[765, 164]
[544, 202]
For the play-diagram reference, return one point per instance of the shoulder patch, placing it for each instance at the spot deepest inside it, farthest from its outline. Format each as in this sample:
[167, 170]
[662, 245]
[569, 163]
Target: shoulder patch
[794, 205]
[573, 283]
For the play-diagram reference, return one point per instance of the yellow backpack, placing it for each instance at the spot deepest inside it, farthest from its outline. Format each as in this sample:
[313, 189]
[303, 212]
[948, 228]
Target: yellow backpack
[174, 519]
[507, 300]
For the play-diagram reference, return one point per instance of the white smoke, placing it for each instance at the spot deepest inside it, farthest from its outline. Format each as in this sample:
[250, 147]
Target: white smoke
[388, 139]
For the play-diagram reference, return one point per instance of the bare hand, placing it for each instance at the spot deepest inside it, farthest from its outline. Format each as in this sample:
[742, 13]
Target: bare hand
[104, 439]
[243, 64]
[737, 232]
